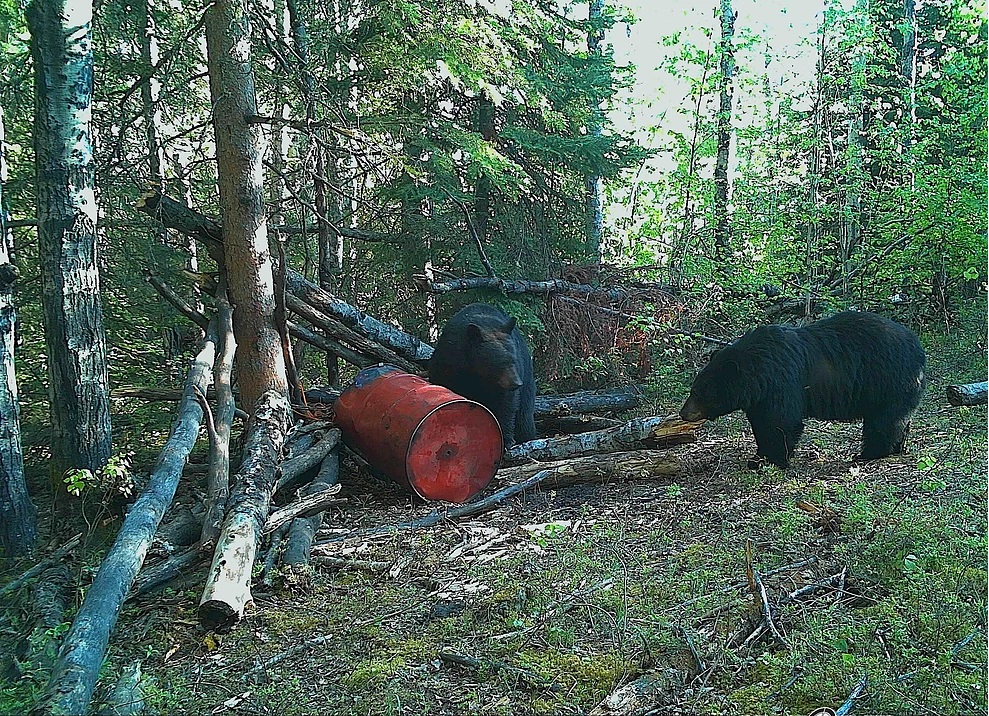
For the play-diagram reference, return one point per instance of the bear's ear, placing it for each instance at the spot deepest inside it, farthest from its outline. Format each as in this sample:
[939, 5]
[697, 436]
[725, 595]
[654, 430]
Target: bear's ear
[475, 334]
[510, 326]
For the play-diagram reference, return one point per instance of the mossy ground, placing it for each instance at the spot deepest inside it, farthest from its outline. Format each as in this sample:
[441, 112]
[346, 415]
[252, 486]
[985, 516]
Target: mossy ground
[581, 590]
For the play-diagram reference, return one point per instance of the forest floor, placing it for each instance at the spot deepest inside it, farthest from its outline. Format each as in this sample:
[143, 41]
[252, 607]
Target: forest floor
[562, 596]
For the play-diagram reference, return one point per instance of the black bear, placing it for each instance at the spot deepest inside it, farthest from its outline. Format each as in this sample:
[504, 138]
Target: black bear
[482, 356]
[850, 366]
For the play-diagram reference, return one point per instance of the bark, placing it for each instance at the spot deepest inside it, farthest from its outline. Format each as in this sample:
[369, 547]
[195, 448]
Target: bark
[593, 184]
[588, 401]
[302, 532]
[51, 596]
[239, 151]
[968, 394]
[218, 474]
[180, 217]
[74, 676]
[482, 192]
[61, 47]
[636, 434]
[851, 225]
[721, 227]
[18, 518]
[555, 285]
[228, 586]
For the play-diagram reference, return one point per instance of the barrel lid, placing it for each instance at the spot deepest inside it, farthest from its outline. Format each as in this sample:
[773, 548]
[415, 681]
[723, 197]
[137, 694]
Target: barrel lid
[454, 452]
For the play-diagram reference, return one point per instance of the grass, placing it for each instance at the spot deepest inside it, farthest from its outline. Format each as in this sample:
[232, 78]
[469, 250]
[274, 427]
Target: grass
[582, 590]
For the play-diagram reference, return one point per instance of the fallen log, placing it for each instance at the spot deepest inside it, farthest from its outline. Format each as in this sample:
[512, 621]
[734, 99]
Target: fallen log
[176, 215]
[547, 407]
[295, 330]
[636, 434]
[16, 583]
[228, 586]
[588, 401]
[293, 470]
[51, 596]
[73, 678]
[163, 572]
[336, 330]
[302, 532]
[128, 695]
[595, 468]
[555, 285]
[968, 394]
[572, 424]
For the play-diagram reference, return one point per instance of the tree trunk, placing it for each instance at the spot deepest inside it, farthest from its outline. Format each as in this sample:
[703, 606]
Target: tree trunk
[852, 219]
[18, 520]
[239, 150]
[593, 184]
[721, 227]
[61, 46]
[74, 676]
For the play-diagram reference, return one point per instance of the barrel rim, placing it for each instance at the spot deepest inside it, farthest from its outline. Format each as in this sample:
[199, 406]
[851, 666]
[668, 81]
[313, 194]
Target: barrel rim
[412, 440]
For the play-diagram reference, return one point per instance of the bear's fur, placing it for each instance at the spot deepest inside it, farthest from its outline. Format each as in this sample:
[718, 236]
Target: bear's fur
[848, 367]
[482, 356]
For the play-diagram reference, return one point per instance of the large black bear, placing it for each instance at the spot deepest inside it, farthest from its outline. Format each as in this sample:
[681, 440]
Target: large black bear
[482, 356]
[850, 366]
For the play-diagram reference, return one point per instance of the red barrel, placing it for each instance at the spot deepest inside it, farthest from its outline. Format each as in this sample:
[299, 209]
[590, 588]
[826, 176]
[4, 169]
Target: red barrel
[423, 436]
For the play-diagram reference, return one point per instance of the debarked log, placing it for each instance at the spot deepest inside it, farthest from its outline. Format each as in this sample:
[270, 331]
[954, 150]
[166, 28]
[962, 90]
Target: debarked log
[636, 434]
[968, 394]
[228, 585]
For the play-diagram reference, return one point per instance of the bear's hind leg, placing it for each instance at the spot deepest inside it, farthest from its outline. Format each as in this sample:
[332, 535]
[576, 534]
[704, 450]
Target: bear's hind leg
[882, 436]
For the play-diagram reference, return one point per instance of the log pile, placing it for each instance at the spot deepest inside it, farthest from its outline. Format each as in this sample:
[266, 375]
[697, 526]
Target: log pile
[289, 473]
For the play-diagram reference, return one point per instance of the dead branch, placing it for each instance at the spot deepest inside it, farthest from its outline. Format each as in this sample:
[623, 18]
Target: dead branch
[968, 394]
[228, 586]
[307, 506]
[70, 688]
[588, 401]
[14, 584]
[557, 474]
[127, 697]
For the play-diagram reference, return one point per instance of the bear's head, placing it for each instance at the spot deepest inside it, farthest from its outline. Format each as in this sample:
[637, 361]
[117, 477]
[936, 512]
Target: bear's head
[492, 355]
[717, 390]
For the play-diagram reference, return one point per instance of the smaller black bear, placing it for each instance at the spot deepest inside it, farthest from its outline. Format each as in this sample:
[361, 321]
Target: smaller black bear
[482, 356]
[848, 367]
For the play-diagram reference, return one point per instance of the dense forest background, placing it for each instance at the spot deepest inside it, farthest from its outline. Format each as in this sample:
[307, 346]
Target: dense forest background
[403, 145]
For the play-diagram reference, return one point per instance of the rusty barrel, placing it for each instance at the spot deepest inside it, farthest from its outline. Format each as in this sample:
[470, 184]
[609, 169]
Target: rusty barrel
[423, 436]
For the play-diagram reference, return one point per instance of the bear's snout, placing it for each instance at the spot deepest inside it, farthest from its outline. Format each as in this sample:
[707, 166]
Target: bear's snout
[692, 411]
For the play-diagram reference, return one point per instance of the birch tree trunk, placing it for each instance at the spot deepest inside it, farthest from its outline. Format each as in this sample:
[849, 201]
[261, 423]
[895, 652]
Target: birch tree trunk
[239, 150]
[18, 519]
[721, 228]
[593, 184]
[61, 46]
